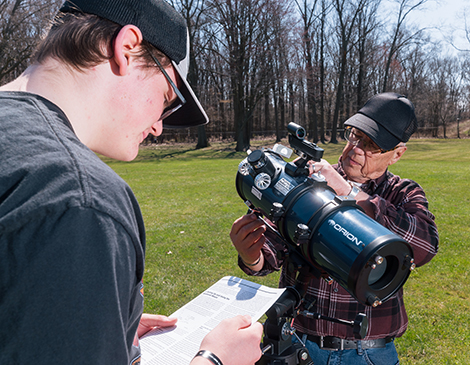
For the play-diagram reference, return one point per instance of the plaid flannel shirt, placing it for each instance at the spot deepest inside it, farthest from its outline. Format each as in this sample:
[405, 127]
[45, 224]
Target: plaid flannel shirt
[401, 206]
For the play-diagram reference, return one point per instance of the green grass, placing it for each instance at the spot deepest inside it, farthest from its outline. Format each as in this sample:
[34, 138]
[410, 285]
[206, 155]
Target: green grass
[189, 202]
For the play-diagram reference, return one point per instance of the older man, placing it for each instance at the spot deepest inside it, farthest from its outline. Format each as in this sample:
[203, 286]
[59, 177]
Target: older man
[377, 136]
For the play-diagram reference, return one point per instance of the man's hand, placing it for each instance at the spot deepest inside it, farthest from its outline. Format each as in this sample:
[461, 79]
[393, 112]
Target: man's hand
[247, 235]
[340, 185]
[150, 321]
[235, 341]
[333, 178]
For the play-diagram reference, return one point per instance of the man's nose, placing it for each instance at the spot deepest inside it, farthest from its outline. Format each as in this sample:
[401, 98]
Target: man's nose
[359, 145]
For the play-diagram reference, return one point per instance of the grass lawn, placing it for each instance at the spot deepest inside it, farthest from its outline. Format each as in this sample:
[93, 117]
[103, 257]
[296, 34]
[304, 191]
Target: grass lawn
[189, 202]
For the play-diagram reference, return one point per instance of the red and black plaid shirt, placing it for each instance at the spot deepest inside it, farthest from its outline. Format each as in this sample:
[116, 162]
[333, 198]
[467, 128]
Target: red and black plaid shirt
[401, 206]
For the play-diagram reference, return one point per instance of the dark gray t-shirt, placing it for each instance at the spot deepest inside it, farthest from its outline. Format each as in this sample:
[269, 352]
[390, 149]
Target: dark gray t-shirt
[71, 244]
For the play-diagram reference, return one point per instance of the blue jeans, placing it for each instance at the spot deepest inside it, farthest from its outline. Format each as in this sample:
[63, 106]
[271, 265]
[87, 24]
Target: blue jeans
[376, 356]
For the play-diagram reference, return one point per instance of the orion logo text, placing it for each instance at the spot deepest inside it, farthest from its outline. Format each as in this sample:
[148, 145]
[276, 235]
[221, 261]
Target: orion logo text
[346, 234]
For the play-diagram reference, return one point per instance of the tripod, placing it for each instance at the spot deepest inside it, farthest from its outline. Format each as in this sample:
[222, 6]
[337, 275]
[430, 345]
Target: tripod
[278, 348]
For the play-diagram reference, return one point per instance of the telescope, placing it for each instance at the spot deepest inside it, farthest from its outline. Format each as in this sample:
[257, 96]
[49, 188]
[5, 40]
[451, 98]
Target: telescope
[330, 233]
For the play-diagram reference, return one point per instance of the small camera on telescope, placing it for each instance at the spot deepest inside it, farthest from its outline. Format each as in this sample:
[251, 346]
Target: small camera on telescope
[331, 233]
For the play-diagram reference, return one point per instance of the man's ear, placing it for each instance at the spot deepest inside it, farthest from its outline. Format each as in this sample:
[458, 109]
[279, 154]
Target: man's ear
[125, 44]
[397, 154]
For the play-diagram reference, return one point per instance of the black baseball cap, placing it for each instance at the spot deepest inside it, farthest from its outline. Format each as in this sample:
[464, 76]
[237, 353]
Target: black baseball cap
[163, 27]
[387, 119]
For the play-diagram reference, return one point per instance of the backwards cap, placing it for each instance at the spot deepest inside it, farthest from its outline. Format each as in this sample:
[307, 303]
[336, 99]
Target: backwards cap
[163, 27]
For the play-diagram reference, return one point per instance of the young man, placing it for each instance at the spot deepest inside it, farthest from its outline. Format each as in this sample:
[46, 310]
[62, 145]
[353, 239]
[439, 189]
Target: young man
[72, 238]
[376, 138]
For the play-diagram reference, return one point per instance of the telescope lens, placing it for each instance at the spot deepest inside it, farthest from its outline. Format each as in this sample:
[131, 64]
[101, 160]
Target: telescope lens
[297, 131]
[301, 133]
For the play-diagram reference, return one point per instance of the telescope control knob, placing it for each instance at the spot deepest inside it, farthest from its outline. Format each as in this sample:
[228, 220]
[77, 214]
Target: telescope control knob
[277, 211]
[301, 234]
[302, 229]
[374, 301]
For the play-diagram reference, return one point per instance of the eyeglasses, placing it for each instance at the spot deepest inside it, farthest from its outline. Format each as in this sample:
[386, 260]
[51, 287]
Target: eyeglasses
[368, 146]
[177, 103]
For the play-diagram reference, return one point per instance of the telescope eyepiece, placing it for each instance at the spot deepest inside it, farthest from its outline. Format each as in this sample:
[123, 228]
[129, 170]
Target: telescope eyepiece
[257, 159]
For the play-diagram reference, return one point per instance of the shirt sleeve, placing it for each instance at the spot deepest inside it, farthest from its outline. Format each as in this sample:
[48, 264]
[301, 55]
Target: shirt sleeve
[74, 296]
[404, 211]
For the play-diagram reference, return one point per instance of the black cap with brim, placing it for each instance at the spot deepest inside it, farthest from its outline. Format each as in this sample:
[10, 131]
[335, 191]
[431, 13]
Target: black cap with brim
[191, 114]
[163, 27]
[387, 119]
[373, 130]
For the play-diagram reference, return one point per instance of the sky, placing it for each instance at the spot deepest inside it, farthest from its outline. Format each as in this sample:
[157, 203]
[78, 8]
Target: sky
[446, 17]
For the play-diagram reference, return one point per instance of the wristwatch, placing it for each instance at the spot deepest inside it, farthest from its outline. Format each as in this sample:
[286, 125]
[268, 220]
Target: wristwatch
[354, 191]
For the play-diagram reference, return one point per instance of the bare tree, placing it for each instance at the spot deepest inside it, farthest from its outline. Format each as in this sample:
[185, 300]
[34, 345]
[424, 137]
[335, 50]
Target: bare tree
[399, 37]
[452, 78]
[21, 24]
[281, 65]
[321, 43]
[245, 54]
[347, 13]
[462, 33]
[367, 25]
[217, 98]
[307, 10]
[192, 11]
[243, 29]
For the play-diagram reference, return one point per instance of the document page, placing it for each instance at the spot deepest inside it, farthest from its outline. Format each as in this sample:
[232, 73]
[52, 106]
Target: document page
[229, 297]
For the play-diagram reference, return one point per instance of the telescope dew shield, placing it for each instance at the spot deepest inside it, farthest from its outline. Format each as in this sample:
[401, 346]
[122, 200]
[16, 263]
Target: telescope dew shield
[368, 260]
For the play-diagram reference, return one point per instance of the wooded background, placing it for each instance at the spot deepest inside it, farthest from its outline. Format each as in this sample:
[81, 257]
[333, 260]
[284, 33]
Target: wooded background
[257, 65]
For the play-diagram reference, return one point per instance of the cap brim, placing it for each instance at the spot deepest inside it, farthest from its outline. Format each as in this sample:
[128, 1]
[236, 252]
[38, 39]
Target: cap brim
[191, 114]
[381, 137]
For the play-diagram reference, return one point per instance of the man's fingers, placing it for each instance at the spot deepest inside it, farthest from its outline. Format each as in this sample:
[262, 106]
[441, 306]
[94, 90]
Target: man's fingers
[241, 222]
[249, 227]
